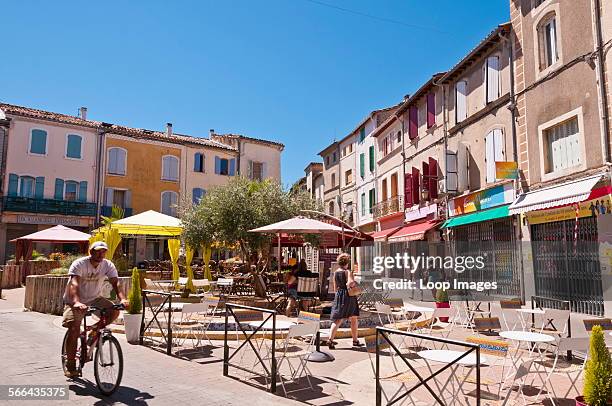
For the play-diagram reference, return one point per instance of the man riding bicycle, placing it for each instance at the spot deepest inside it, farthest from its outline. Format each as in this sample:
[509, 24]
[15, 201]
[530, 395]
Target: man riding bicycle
[84, 288]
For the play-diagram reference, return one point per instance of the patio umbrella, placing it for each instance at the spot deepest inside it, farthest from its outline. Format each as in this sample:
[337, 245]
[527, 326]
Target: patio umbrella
[297, 225]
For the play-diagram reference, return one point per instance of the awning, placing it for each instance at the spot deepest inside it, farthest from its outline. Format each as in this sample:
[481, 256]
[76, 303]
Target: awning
[483, 215]
[412, 232]
[148, 223]
[559, 195]
[383, 234]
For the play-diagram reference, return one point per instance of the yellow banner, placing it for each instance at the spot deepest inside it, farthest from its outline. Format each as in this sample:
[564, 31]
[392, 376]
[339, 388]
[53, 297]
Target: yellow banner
[506, 170]
[600, 206]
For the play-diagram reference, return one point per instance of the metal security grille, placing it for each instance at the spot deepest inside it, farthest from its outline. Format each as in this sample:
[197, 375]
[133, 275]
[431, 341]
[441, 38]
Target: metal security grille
[566, 269]
[495, 240]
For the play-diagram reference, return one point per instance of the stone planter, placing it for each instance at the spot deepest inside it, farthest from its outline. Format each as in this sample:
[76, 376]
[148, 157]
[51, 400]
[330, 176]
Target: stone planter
[132, 327]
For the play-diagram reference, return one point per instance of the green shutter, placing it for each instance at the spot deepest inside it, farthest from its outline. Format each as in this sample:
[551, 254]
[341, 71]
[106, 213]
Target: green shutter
[363, 204]
[13, 184]
[83, 191]
[361, 134]
[40, 188]
[59, 189]
[372, 158]
[362, 165]
[372, 199]
[73, 147]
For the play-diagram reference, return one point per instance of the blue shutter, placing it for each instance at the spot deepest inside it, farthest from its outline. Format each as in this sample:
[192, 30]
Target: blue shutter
[197, 162]
[13, 184]
[83, 191]
[39, 192]
[73, 148]
[197, 194]
[217, 165]
[59, 189]
[232, 167]
[38, 142]
[128, 199]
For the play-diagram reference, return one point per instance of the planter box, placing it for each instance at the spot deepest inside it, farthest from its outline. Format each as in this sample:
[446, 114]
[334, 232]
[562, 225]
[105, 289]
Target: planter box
[44, 293]
[12, 276]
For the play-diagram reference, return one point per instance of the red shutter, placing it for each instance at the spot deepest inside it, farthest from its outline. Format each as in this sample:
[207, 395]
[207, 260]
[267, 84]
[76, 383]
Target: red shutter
[413, 122]
[433, 178]
[425, 175]
[415, 186]
[407, 190]
[431, 109]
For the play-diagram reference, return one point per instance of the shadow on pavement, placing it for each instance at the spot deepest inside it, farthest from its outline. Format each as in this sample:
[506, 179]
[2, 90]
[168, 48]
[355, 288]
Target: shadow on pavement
[124, 394]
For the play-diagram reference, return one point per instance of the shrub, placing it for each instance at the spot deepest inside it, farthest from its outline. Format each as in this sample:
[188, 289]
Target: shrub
[134, 296]
[67, 260]
[56, 256]
[36, 254]
[598, 371]
[59, 271]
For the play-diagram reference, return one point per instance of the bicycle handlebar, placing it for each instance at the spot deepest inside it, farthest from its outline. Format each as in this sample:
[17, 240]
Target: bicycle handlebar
[91, 309]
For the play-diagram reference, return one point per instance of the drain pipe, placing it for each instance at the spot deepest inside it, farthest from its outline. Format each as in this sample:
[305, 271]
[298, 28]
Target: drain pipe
[602, 80]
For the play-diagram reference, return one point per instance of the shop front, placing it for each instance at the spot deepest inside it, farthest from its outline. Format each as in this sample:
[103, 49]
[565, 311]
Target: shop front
[479, 225]
[564, 223]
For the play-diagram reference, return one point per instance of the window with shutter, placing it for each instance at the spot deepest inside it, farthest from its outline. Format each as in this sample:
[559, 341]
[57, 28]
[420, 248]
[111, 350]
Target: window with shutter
[372, 163]
[413, 122]
[198, 162]
[494, 152]
[460, 101]
[83, 191]
[169, 202]
[170, 168]
[38, 142]
[73, 146]
[116, 161]
[408, 190]
[431, 109]
[425, 169]
[39, 193]
[452, 176]
[362, 165]
[492, 78]
[59, 189]
[223, 166]
[71, 190]
[197, 194]
[416, 191]
[372, 200]
[26, 186]
[433, 179]
[563, 144]
[362, 134]
[548, 41]
[384, 190]
[232, 167]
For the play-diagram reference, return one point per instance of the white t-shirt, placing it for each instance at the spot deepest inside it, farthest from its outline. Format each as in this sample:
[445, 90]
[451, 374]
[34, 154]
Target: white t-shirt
[91, 279]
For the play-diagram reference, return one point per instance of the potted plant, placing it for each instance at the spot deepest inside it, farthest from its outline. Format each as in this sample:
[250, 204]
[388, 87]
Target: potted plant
[133, 316]
[442, 302]
[597, 372]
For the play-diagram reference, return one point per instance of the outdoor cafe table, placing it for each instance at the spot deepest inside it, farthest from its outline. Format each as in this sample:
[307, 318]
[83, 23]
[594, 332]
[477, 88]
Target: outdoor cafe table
[523, 312]
[448, 357]
[410, 308]
[536, 339]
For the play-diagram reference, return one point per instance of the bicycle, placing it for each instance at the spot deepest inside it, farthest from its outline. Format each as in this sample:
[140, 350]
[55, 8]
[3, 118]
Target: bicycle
[108, 356]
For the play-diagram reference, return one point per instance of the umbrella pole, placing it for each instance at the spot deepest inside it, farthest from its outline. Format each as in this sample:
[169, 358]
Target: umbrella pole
[278, 261]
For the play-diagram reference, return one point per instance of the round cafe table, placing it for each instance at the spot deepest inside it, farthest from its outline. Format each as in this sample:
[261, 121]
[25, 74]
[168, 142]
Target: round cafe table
[536, 339]
[447, 357]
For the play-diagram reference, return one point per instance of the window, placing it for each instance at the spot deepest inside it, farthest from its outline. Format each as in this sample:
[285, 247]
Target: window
[348, 177]
[362, 134]
[170, 168]
[327, 160]
[492, 78]
[362, 165]
[70, 191]
[384, 190]
[494, 147]
[547, 41]
[372, 200]
[256, 171]
[563, 144]
[413, 122]
[331, 208]
[198, 162]
[169, 201]
[73, 146]
[399, 137]
[334, 157]
[117, 197]
[431, 109]
[333, 180]
[26, 186]
[38, 142]
[385, 147]
[116, 161]
[350, 147]
[224, 166]
[363, 204]
[372, 158]
[460, 101]
[197, 194]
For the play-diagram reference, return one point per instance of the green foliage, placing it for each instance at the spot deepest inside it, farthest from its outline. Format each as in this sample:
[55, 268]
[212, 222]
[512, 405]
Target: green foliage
[117, 213]
[441, 296]
[59, 271]
[227, 213]
[36, 255]
[67, 260]
[598, 371]
[134, 296]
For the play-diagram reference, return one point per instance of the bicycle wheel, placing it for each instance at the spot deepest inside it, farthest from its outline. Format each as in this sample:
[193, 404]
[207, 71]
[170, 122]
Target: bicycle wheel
[108, 365]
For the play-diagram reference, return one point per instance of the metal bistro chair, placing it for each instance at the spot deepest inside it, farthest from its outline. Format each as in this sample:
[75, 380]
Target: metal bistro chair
[508, 312]
[554, 322]
[306, 291]
[495, 350]
[193, 323]
[225, 286]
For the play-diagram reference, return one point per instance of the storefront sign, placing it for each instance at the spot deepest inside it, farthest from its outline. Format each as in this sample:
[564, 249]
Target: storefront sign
[506, 170]
[416, 212]
[599, 205]
[484, 199]
[55, 220]
[604, 237]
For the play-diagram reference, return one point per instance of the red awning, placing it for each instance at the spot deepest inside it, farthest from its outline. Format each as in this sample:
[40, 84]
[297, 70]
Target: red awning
[383, 234]
[412, 232]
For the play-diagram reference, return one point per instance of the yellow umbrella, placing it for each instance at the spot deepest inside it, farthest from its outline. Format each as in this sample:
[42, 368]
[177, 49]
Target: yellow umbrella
[206, 254]
[112, 239]
[173, 250]
[188, 258]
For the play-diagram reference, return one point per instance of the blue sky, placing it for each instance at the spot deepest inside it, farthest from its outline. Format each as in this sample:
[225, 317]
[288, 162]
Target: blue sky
[295, 71]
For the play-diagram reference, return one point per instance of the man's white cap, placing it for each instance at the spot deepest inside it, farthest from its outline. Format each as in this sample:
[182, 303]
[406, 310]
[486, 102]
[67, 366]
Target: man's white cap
[98, 245]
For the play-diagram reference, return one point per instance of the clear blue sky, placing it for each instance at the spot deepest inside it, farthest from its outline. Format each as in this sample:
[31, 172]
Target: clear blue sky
[295, 71]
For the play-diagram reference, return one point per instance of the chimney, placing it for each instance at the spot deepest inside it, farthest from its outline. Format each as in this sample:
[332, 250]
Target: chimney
[168, 129]
[212, 131]
[83, 113]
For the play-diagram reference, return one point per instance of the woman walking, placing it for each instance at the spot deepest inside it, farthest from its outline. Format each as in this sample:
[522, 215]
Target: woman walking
[345, 306]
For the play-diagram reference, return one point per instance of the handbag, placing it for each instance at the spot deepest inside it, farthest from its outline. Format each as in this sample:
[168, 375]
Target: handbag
[354, 289]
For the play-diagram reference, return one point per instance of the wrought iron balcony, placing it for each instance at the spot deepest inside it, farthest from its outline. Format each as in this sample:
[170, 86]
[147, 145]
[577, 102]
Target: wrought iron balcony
[48, 206]
[389, 206]
[107, 211]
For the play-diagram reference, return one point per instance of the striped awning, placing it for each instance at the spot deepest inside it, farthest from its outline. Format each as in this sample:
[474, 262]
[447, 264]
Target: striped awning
[553, 196]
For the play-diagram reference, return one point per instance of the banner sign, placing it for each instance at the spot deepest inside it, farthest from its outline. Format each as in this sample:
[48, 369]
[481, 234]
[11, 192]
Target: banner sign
[598, 205]
[506, 170]
[416, 212]
[481, 200]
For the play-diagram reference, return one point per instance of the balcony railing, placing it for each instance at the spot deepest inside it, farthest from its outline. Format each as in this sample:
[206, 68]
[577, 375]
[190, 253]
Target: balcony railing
[48, 206]
[389, 206]
[108, 210]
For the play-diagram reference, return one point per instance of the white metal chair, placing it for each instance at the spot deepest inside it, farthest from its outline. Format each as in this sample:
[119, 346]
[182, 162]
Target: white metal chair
[520, 375]
[495, 350]
[444, 329]
[553, 321]
[200, 284]
[193, 323]
[225, 285]
[508, 312]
